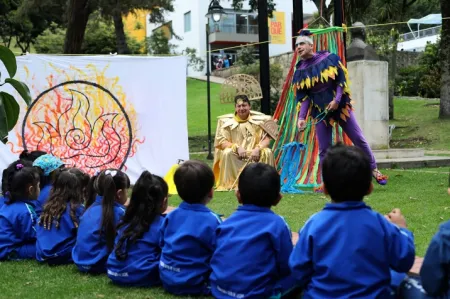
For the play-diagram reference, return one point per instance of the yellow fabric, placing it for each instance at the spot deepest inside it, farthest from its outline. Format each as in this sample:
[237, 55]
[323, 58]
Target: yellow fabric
[248, 135]
[239, 120]
[169, 179]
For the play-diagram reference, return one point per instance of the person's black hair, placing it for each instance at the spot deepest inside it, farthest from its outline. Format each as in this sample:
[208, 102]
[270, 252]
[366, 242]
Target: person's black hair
[146, 202]
[17, 178]
[346, 173]
[31, 156]
[67, 189]
[259, 185]
[242, 97]
[194, 180]
[106, 185]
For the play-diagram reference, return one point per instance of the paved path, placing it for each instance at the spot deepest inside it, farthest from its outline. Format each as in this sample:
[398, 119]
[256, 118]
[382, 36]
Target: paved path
[213, 79]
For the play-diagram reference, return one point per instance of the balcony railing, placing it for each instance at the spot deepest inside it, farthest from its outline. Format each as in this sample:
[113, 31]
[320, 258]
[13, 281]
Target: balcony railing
[421, 33]
[234, 29]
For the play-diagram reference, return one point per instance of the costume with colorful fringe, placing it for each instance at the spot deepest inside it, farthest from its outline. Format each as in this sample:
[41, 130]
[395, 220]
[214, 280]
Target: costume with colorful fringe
[297, 153]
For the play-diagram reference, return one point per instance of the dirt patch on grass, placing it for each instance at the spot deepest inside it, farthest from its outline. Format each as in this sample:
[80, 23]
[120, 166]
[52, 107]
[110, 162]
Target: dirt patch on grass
[409, 142]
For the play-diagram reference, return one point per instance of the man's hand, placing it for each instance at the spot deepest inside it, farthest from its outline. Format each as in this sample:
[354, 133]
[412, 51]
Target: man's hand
[242, 153]
[396, 217]
[332, 106]
[301, 124]
[255, 154]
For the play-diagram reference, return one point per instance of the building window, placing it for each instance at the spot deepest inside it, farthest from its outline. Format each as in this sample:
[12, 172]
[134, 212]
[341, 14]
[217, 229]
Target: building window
[187, 22]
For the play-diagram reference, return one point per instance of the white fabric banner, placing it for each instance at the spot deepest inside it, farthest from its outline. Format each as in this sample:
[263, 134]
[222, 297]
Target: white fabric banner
[99, 112]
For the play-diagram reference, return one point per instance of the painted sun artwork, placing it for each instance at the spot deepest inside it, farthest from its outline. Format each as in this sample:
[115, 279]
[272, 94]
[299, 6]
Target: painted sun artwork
[83, 117]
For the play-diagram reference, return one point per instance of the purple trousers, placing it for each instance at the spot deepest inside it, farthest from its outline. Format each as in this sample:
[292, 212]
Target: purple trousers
[353, 131]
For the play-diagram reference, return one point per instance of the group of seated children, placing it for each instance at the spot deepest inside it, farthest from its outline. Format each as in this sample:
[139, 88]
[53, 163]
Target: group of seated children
[60, 215]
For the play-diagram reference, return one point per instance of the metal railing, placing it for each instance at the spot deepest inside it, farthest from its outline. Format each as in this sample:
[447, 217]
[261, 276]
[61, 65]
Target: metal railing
[421, 33]
[235, 29]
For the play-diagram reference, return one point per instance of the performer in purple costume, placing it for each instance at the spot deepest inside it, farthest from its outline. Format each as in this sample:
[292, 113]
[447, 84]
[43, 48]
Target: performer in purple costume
[320, 80]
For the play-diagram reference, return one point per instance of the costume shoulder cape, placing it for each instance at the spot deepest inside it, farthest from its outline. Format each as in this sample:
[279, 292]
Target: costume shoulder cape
[329, 68]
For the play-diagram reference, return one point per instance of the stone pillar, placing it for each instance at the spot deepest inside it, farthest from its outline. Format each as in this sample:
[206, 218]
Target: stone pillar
[369, 87]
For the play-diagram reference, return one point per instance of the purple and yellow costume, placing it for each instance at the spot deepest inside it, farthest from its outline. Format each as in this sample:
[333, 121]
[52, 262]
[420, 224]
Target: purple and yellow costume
[318, 81]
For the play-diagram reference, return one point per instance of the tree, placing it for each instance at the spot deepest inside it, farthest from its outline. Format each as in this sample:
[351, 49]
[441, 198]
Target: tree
[158, 44]
[100, 38]
[78, 12]
[238, 4]
[23, 21]
[444, 109]
[9, 108]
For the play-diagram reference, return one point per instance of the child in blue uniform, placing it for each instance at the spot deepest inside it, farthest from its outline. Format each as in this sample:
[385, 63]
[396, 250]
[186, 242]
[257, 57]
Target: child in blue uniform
[57, 230]
[188, 236]
[18, 218]
[135, 258]
[97, 230]
[49, 167]
[347, 250]
[253, 245]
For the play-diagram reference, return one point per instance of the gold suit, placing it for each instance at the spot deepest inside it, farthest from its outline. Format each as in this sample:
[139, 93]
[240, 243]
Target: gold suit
[240, 133]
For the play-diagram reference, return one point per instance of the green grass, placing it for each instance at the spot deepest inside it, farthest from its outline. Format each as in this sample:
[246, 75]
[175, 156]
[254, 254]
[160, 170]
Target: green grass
[417, 125]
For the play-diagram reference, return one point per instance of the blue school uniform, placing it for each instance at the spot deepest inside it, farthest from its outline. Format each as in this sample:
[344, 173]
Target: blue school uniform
[252, 254]
[347, 250]
[2, 201]
[141, 267]
[55, 246]
[42, 198]
[187, 243]
[435, 271]
[90, 252]
[18, 230]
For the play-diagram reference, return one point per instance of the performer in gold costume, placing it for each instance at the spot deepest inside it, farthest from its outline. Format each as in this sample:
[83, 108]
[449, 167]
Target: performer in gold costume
[240, 139]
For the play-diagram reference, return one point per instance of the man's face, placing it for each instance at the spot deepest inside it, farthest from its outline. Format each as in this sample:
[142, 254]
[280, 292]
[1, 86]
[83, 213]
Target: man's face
[304, 50]
[242, 109]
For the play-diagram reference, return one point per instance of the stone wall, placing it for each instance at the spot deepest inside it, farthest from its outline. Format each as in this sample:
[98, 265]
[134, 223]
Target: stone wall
[405, 59]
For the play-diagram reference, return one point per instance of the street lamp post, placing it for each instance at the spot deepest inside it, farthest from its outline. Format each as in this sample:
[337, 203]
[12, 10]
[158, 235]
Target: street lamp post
[215, 11]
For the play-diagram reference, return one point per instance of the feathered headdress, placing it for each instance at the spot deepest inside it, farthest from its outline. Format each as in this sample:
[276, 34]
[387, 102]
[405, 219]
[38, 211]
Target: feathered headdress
[304, 37]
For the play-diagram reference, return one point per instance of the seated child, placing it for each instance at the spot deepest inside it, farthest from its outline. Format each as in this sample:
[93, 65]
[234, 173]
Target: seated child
[135, 258]
[188, 233]
[253, 245]
[49, 167]
[57, 230]
[18, 217]
[435, 271]
[97, 230]
[347, 250]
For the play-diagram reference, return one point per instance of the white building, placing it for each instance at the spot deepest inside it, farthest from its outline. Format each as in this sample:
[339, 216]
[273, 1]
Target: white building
[236, 28]
[417, 40]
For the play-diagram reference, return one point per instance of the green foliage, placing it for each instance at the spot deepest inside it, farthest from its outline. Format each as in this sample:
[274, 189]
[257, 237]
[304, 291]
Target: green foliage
[246, 56]
[9, 108]
[195, 62]
[238, 4]
[423, 79]
[100, 38]
[158, 44]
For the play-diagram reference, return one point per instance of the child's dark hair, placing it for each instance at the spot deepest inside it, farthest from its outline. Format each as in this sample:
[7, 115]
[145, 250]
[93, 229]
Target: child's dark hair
[346, 173]
[146, 201]
[67, 189]
[106, 185]
[259, 185]
[31, 156]
[194, 180]
[17, 178]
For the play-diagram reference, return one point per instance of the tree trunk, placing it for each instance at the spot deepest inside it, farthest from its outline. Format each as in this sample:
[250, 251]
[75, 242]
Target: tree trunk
[392, 75]
[121, 40]
[78, 16]
[444, 109]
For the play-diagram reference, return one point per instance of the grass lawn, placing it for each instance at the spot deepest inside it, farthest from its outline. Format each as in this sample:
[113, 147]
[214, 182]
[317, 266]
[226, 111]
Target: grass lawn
[417, 125]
